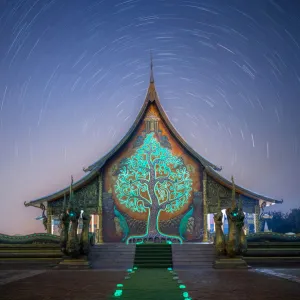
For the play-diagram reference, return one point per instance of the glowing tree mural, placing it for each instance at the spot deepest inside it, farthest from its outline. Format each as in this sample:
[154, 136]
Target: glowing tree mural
[153, 180]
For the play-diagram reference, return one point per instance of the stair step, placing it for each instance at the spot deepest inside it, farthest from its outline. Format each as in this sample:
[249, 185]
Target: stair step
[153, 256]
[112, 256]
[154, 266]
[193, 256]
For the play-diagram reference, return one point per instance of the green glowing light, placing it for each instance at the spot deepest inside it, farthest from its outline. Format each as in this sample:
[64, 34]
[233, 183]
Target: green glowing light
[169, 242]
[135, 268]
[185, 294]
[118, 293]
[129, 270]
[169, 269]
[153, 180]
[182, 286]
[119, 285]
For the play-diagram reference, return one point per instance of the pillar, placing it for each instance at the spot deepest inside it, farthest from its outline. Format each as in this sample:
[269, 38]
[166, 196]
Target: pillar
[205, 235]
[246, 224]
[92, 223]
[256, 218]
[99, 223]
[49, 220]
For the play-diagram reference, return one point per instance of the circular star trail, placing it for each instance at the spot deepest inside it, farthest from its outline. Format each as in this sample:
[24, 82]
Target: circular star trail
[74, 74]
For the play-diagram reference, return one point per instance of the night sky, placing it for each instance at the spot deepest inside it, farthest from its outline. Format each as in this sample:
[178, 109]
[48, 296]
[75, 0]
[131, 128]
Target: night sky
[74, 74]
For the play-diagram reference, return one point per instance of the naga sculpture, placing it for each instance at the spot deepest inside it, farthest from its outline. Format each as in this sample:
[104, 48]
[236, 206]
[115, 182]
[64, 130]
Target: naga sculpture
[241, 237]
[44, 217]
[73, 212]
[232, 213]
[71, 246]
[84, 239]
[263, 218]
[232, 244]
[237, 242]
[219, 239]
[35, 238]
[64, 226]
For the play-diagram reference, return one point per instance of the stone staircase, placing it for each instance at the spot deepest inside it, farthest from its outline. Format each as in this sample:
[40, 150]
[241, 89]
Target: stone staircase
[193, 256]
[153, 255]
[114, 256]
[31, 256]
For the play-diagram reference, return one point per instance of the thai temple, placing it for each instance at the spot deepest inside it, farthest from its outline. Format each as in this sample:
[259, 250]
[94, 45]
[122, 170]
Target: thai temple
[153, 185]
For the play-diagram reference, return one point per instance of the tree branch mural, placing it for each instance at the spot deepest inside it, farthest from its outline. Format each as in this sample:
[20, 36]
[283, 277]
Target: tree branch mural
[152, 180]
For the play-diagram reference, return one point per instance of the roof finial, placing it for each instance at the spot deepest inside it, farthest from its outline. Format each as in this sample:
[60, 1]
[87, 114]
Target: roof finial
[151, 66]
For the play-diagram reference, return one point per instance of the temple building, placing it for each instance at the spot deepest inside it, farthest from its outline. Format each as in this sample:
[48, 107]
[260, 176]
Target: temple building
[153, 185]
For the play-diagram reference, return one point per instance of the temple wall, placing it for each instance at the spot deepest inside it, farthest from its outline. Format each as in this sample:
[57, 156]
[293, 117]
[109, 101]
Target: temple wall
[132, 170]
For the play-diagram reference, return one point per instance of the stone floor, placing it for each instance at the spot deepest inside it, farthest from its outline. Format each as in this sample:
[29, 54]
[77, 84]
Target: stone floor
[204, 284]
[62, 284]
[237, 284]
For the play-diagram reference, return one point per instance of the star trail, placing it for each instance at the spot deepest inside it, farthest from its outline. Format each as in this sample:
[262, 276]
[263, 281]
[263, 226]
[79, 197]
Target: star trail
[74, 74]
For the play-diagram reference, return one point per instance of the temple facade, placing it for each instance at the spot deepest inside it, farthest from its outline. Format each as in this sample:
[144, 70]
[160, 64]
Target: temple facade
[153, 185]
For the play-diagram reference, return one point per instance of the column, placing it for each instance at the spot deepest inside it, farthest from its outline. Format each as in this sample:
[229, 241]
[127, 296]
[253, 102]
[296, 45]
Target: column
[99, 223]
[96, 218]
[246, 223]
[205, 236]
[256, 218]
[49, 220]
[93, 223]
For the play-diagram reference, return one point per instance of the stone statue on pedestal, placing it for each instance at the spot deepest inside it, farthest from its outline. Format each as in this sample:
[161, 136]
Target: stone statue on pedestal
[84, 239]
[241, 237]
[236, 243]
[74, 214]
[231, 213]
[64, 228]
[75, 251]
[44, 217]
[219, 239]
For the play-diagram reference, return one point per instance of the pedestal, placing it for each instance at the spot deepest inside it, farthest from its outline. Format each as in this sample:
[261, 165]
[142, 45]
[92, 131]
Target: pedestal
[230, 263]
[74, 263]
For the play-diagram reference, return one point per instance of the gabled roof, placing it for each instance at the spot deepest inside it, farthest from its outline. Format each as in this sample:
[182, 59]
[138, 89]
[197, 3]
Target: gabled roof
[66, 191]
[151, 97]
[217, 177]
[94, 169]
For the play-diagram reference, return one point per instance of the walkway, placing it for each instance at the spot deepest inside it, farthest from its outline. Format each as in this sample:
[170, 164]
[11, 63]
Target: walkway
[204, 284]
[158, 284]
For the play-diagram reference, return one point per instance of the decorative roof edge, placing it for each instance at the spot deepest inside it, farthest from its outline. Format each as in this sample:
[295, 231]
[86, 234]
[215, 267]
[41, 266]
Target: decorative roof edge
[66, 191]
[239, 189]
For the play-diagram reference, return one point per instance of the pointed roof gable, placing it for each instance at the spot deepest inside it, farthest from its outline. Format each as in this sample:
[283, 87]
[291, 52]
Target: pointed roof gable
[151, 97]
